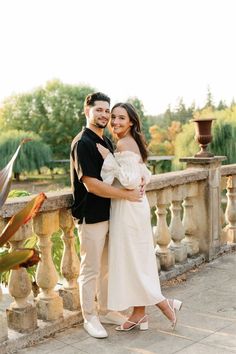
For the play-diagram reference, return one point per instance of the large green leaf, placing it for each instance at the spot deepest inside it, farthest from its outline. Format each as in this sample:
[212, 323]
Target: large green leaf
[21, 218]
[6, 175]
[19, 258]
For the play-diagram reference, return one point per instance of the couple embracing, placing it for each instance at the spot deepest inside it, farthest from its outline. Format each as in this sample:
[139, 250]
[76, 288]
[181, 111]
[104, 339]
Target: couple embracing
[112, 215]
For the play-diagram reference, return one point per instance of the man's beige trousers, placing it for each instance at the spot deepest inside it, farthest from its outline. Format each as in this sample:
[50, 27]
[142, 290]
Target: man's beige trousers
[93, 267]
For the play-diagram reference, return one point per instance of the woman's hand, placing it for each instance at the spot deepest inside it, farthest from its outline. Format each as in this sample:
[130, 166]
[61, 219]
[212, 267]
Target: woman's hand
[103, 151]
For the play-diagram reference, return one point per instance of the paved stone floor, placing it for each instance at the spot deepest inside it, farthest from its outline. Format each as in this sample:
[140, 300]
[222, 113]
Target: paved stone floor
[206, 323]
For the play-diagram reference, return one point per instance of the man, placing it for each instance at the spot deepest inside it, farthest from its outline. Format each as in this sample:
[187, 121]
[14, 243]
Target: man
[91, 210]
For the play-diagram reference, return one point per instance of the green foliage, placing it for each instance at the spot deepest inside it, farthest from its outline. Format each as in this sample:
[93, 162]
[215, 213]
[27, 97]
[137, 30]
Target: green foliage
[180, 114]
[224, 135]
[209, 99]
[31, 242]
[55, 112]
[185, 145]
[34, 154]
[14, 193]
[140, 109]
[223, 132]
[162, 140]
[18, 257]
[58, 247]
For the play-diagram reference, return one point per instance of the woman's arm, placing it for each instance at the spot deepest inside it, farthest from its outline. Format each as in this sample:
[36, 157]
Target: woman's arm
[105, 190]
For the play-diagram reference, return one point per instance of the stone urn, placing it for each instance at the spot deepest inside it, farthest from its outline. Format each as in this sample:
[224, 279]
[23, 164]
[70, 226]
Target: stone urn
[203, 135]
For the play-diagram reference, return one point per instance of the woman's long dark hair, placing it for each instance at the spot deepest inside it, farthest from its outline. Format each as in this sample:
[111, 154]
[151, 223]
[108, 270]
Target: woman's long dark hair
[135, 128]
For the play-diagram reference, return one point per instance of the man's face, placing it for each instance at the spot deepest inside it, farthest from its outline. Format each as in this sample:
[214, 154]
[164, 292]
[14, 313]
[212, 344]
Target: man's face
[99, 114]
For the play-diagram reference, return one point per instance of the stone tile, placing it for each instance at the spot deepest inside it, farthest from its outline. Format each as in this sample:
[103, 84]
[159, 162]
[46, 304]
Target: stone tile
[227, 287]
[70, 350]
[223, 341]
[212, 301]
[207, 278]
[47, 346]
[72, 335]
[224, 262]
[191, 332]
[31, 350]
[201, 320]
[231, 329]
[198, 348]
[150, 341]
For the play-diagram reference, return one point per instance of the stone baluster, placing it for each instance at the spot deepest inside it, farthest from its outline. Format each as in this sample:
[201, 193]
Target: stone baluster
[3, 320]
[230, 212]
[189, 222]
[176, 226]
[2, 225]
[21, 315]
[151, 196]
[208, 203]
[162, 234]
[222, 215]
[3, 326]
[70, 264]
[49, 303]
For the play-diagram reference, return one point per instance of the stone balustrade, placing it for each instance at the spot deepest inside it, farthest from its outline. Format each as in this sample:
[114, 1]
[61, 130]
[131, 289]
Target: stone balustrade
[189, 221]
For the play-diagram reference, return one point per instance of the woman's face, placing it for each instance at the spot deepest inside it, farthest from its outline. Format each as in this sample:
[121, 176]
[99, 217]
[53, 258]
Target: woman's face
[120, 122]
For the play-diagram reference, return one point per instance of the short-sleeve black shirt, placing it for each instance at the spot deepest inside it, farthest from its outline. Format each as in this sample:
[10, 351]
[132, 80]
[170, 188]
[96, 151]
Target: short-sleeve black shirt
[87, 161]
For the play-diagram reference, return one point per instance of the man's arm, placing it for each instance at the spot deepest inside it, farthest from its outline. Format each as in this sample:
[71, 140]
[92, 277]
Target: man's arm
[105, 190]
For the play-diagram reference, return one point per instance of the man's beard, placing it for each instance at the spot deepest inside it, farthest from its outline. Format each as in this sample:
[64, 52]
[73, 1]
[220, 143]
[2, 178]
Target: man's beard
[101, 126]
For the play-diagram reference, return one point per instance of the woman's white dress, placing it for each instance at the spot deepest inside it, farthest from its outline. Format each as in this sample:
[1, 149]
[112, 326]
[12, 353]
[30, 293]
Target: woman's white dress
[133, 276]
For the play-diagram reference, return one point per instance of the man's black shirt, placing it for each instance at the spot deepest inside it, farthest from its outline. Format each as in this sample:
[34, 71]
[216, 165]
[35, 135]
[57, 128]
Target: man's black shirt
[87, 161]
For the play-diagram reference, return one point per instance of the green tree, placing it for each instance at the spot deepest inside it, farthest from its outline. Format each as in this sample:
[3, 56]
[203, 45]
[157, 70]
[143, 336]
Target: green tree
[223, 132]
[140, 109]
[185, 145]
[224, 141]
[221, 105]
[34, 155]
[55, 112]
[209, 99]
[167, 118]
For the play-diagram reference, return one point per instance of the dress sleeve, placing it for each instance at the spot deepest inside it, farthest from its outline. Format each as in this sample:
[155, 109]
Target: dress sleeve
[146, 174]
[126, 170]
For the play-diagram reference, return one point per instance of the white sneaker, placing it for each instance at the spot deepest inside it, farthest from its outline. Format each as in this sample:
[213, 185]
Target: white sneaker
[94, 328]
[113, 318]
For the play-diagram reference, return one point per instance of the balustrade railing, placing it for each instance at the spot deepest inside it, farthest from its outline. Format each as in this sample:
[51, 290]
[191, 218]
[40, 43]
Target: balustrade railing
[190, 221]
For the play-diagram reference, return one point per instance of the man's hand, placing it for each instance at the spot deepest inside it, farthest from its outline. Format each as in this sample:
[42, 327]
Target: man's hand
[103, 151]
[134, 195]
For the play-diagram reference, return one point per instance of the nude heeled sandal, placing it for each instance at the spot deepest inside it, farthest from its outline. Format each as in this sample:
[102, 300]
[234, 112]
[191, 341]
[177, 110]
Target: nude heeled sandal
[143, 326]
[176, 306]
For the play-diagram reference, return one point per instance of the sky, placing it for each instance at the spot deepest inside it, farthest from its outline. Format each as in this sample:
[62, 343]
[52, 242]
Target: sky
[156, 50]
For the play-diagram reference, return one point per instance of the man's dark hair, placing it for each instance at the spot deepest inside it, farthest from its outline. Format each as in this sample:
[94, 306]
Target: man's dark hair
[96, 96]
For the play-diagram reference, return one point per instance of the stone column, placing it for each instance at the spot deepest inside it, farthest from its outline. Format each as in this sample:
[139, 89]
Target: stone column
[22, 315]
[208, 213]
[70, 264]
[49, 303]
[189, 220]
[3, 319]
[162, 234]
[176, 226]
[3, 327]
[230, 211]
[2, 225]
[224, 234]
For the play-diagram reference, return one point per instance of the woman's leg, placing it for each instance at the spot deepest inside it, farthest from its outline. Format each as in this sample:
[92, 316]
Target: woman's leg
[168, 308]
[137, 315]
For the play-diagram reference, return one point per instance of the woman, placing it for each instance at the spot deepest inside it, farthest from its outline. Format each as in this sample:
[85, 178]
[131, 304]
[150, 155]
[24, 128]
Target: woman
[133, 277]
